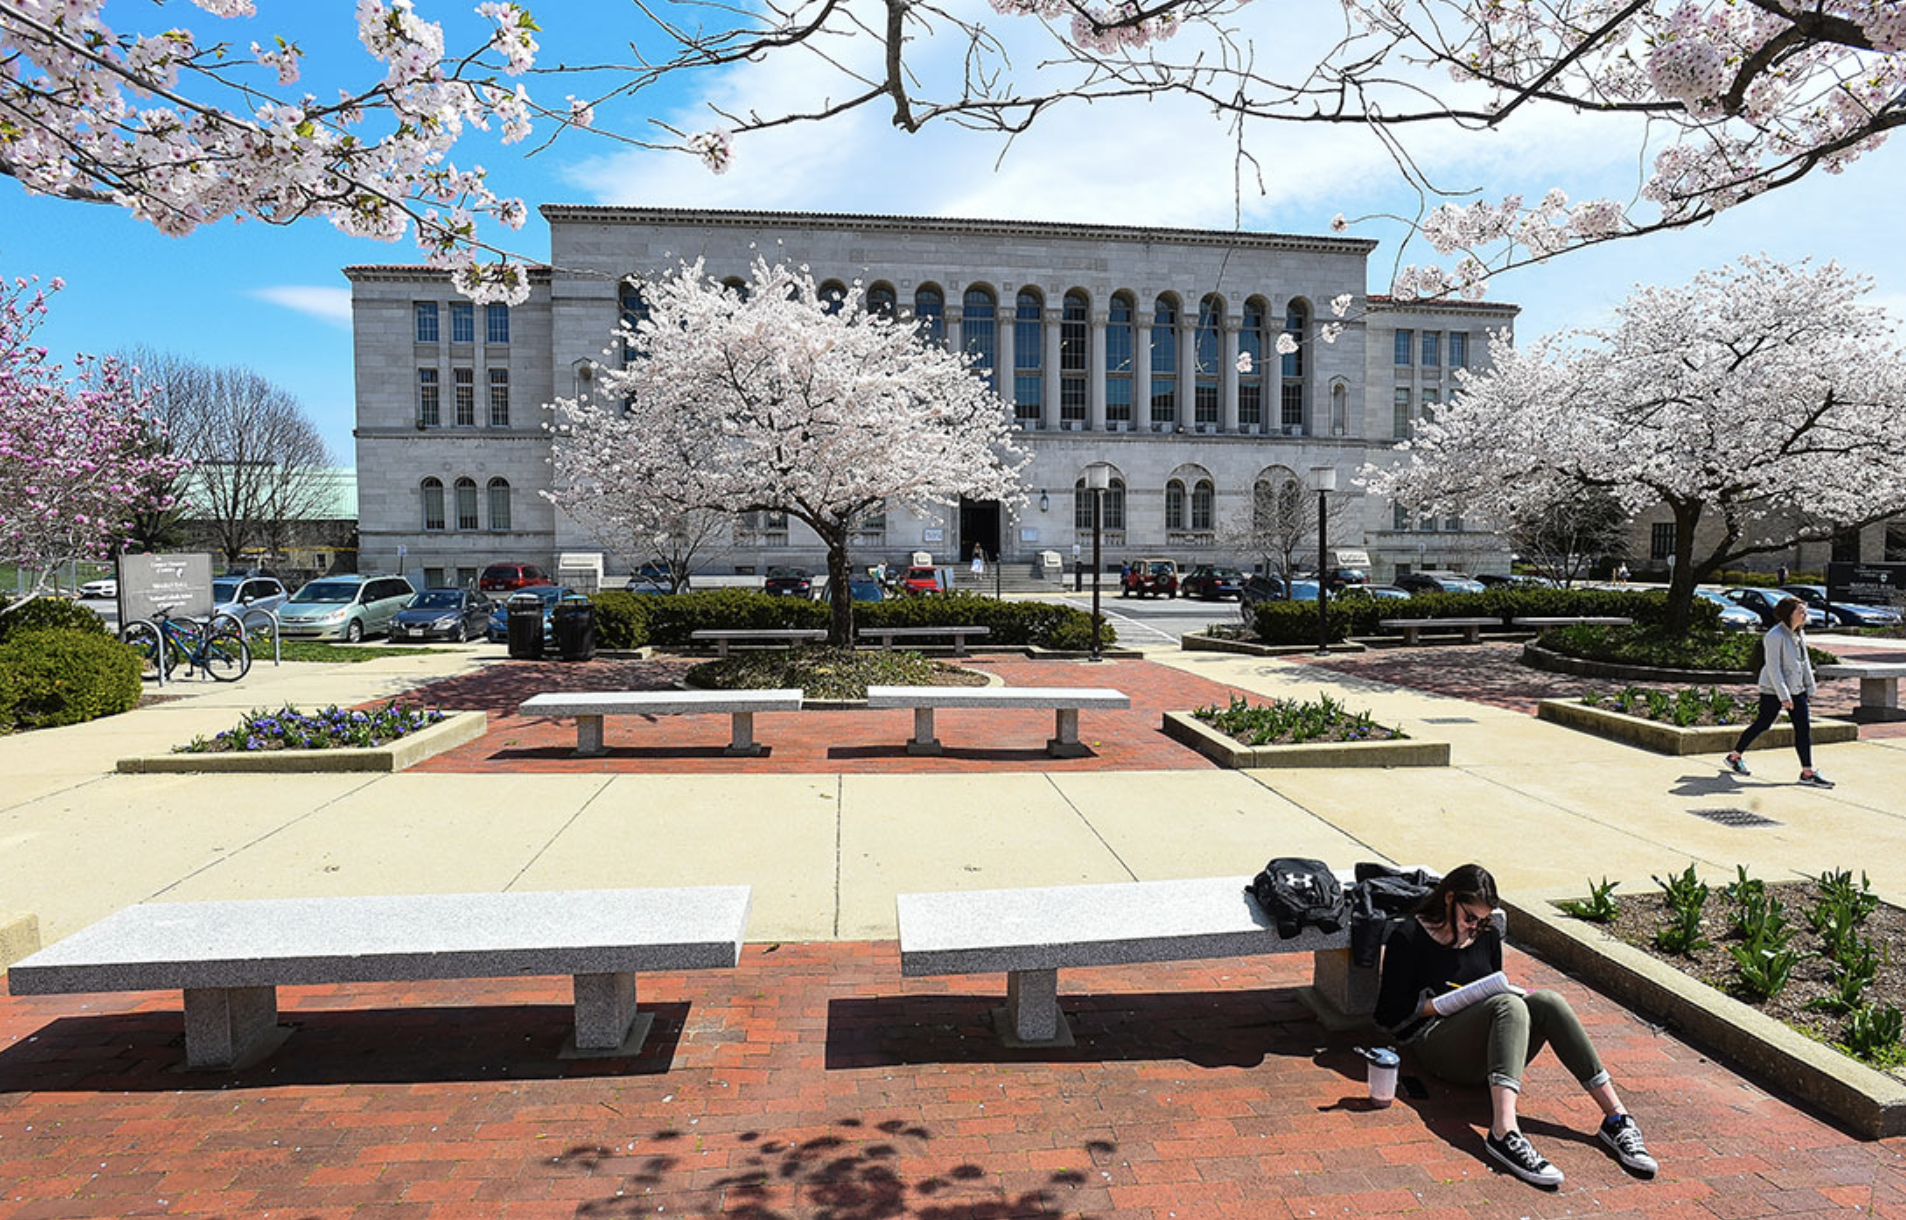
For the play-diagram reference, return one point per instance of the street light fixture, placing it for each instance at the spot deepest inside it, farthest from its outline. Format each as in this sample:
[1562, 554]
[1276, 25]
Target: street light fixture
[1098, 477]
[1324, 479]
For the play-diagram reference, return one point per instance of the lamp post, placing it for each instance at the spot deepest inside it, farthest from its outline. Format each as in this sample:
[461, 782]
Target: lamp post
[1324, 478]
[1098, 477]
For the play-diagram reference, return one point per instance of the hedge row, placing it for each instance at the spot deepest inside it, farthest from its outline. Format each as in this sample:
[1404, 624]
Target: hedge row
[1296, 622]
[63, 675]
[49, 613]
[630, 620]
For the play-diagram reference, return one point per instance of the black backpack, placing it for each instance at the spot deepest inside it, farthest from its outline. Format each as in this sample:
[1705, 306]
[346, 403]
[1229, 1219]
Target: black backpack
[1380, 900]
[1295, 893]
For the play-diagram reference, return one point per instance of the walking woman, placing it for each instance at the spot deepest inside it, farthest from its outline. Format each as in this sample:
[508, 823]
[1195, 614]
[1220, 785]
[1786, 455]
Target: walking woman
[1452, 940]
[1786, 684]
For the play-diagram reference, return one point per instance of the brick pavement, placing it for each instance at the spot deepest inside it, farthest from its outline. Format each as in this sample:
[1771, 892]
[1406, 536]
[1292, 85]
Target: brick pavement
[814, 1082]
[806, 742]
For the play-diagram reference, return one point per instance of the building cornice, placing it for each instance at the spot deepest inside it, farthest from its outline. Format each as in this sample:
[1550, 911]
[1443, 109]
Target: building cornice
[372, 273]
[1389, 304]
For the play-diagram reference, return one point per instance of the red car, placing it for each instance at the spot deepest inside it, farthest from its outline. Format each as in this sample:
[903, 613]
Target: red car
[508, 577]
[921, 580]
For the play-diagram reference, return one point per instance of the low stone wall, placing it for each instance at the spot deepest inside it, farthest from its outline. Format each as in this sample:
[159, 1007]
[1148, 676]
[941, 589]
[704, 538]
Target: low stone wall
[1226, 751]
[1671, 739]
[1554, 662]
[453, 731]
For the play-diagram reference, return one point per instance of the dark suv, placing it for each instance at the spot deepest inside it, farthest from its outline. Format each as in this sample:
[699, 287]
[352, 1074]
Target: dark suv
[507, 577]
[1438, 582]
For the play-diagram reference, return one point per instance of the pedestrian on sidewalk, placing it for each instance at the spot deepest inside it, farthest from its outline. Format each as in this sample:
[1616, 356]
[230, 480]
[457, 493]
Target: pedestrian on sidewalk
[1453, 939]
[1786, 684]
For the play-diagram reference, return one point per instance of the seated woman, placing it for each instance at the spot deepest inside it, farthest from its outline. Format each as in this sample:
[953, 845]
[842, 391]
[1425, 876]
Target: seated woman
[1452, 940]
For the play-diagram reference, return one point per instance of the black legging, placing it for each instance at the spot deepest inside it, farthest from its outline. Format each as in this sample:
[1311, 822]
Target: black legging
[1769, 712]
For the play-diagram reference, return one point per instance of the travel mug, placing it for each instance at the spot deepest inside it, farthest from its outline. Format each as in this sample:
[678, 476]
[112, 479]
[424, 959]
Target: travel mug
[1383, 1065]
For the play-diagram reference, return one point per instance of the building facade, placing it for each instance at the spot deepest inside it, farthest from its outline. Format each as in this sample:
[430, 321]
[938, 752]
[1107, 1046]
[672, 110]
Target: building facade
[1116, 345]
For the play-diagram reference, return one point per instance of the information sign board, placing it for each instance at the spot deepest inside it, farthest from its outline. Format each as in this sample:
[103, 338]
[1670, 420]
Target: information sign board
[181, 585]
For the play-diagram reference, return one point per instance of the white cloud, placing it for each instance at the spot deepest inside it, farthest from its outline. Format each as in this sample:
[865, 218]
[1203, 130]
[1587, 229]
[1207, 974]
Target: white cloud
[332, 305]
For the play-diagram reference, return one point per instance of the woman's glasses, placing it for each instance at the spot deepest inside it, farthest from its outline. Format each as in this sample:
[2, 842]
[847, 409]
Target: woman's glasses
[1469, 919]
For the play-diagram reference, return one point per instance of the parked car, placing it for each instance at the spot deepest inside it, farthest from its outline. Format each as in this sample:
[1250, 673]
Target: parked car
[788, 582]
[105, 587]
[1438, 582]
[1343, 578]
[1147, 577]
[921, 580]
[1846, 614]
[1303, 591]
[509, 577]
[1260, 588]
[238, 595]
[866, 589]
[1733, 617]
[1763, 601]
[498, 631]
[344, 607]
[1372, 592]
[442, 614]
[653, 578]
[1517, 580]
[1210, 582]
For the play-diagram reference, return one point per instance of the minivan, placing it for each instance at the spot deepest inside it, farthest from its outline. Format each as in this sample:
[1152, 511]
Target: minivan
[344, 607]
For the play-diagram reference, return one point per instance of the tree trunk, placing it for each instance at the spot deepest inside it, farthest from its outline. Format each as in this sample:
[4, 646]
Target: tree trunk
[1682, 579]
[840, 628]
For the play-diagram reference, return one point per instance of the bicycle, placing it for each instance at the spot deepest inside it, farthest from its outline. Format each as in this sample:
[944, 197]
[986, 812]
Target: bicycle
[216, 647]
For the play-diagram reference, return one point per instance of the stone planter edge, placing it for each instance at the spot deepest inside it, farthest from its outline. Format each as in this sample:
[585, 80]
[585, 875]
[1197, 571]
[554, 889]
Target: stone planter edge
[1671, 739]
[1226, 752]
[456, 729]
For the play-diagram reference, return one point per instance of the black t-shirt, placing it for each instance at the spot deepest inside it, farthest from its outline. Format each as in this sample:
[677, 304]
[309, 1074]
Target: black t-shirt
[1415, 965]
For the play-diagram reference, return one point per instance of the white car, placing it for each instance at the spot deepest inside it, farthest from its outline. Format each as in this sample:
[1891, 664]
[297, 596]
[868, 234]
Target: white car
[104, 587]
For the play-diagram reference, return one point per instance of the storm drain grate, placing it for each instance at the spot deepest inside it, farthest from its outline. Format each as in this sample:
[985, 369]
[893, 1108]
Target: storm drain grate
[1733, 817]
[1448, 720]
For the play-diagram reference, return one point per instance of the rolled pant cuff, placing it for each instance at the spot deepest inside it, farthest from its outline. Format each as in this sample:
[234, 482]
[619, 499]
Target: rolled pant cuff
[1597, 1080]
[1511, 1083]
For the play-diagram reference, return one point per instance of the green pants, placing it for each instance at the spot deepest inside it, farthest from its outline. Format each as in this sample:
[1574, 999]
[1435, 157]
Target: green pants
[1492, 1042]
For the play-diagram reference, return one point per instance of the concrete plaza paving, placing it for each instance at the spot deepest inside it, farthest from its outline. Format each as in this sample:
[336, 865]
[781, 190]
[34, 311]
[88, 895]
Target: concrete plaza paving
[814, 1080]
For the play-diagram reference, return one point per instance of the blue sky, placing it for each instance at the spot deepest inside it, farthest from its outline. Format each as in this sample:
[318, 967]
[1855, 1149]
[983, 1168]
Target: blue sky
[275, 298]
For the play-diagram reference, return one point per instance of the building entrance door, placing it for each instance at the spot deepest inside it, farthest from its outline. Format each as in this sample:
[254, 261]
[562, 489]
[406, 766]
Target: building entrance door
[979, 527]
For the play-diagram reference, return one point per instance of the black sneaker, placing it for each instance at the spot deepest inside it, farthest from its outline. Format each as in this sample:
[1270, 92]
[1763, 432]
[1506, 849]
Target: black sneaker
[1738, 766]
[1516, 1154]
[1816, 780]
[1624, 1140]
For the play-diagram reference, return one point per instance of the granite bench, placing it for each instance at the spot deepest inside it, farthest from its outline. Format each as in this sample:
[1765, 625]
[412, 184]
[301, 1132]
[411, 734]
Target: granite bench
[887, 635]
[1471, 627]
[1544, 621]
[1879, 686]
[722, 637]
[591, 707]
[1065, 701]
[1031, 934]
[230, 957]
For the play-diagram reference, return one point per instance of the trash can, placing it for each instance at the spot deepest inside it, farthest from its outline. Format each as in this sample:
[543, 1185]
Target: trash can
[574, 620]
[526, 627]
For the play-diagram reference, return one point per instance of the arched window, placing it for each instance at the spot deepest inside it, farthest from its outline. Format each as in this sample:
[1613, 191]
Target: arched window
[1074, 355]
[1297, 326]
[979, 328]
[1175, 504]
[1118, 361]
[433, 504]
[736, 285]
[1114, 498]
[1203, 495]
[466, 504]
[1164, 361]
[833, 296]
[1251, 384]
[1205, 401]
[881, 300]
[1029, 355]
[1339, 409]
[499, 504]
[929, 308]
[635, 311]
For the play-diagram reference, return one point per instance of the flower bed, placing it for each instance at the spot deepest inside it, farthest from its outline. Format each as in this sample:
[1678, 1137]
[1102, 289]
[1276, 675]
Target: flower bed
[1687, 708]
[1299, 733]
[334, 739]
[1286, 722]
[332, 728]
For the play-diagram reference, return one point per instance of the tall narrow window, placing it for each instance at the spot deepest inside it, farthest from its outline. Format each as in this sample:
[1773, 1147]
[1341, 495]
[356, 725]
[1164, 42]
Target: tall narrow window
[1661, 540]
[499, 504]
[429, 399]
[496, 323]
[1205, 402]
[1029, 355]
[1432, 348]
[463, 385]
[433, 504]
[1339, 409]
[1203, 496]
[1175, 505]
[462, 322]
[1115, 505]
[1118, 362]
[1400, 424]
[1459, 349]
[1251, 384]
[1431, 398]
[1400, 517]
[1164, 361]
[881, 301]
[1405, 344]
[979, 327]
[499, 398]
[1291, 411]
[1081, 506]
[1074, 357]
[466, 504]
[929, 310]
[425, 313]
[634, 308]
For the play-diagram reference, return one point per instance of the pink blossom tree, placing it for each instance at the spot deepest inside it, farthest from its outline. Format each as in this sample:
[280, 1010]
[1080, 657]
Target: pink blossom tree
[1765, 402]
[775, 399]
[77, 459]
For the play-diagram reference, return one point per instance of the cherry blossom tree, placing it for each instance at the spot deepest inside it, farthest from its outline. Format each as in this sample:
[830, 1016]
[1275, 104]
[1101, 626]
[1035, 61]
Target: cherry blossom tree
[1763, 402]
[775, 399]
[1726, 100]
[76, 462]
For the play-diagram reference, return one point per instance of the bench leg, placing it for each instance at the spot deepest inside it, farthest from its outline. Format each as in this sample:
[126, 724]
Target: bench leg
[1342, 994]
[721, 648]
[1065, 734]
[589, 737]
[924, 742]
[959, 644]
[226, 1027]
[1409, 636]
[607, 1022]
[1472, 634]
[1031, 1016]
[741, 743]
[1879, 692]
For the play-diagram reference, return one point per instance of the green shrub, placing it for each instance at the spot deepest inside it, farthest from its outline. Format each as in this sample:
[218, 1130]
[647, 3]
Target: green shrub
[1643, 644]
[1296, 622]
[622, 619]
[627, 620]
[65, 676]
[672, 620]
[47, 614]
[1074, 634]
[1047, 624]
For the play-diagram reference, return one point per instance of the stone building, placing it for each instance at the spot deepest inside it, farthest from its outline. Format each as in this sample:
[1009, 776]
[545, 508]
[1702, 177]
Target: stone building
[1113, 344]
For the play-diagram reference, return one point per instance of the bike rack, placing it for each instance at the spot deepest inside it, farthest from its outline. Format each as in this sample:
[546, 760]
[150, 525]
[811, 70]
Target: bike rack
[270, 617]
[158, 665]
